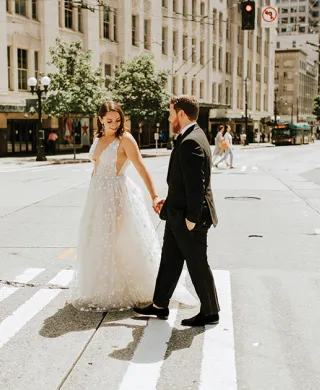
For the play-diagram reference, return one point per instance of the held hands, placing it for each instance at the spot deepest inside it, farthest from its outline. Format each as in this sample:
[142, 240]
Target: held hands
[157, 204]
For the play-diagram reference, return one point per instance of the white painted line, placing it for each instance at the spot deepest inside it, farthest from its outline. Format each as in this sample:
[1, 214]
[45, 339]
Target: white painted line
[243, 169]
[255, 167]
[75, 170]
[12, 324]
[25, 277]
[218, 369]
[141, 374]
[317, 231]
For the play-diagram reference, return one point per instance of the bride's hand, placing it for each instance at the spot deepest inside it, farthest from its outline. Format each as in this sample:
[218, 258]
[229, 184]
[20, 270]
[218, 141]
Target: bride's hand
[157, 204]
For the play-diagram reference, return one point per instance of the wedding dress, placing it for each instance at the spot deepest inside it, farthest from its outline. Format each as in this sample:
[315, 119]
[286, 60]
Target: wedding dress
[118, 250]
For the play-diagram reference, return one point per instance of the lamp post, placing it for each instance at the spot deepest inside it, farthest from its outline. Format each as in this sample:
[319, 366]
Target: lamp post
[246, 105]
[156, 136]
[45, 82]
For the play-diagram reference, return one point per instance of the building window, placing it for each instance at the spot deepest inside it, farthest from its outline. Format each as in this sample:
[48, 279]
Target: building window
[147, 34]
[36, 65]
[164, 40]
[106, 23]
[278, 45]
[107, 72]
[202, 12]
[193, 87]
[185, 86]
[21, 7]
[266, 75]
[80, 20]
[202, 53]
[22, 69]
[220, 94]
[165, 3]
[213, 92]
[201, 89]
[194, 9]
[59, 10]
[214, 20]
[227, 95]
[175, 43]
[294, 44]
[134, 30]
[174, 5]
[68, 11]
[175, 89]
[9, 66]
[115, 27]
[184, 8]
[220, 22]
[194, 50]
[258, 72]
[214, 56]
[184, 49]
[34, 9]
[220, 58]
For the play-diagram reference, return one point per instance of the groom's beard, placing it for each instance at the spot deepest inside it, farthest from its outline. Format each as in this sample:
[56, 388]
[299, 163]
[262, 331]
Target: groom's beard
[176, 128]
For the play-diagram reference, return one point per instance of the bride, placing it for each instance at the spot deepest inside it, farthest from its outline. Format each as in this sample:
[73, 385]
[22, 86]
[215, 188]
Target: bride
[118, 248]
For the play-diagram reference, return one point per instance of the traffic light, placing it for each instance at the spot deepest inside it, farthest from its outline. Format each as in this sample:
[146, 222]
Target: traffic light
[248, 10]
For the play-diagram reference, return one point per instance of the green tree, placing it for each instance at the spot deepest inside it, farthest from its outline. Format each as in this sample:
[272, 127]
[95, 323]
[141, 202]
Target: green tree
[316, 107]
[140, 90]
[76, 89]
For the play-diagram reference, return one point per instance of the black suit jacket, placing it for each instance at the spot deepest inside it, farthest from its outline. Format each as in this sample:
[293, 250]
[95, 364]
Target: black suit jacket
[189, 179]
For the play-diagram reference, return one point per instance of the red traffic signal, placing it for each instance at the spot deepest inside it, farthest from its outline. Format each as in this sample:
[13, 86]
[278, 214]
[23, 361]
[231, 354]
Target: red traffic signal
[248, 11]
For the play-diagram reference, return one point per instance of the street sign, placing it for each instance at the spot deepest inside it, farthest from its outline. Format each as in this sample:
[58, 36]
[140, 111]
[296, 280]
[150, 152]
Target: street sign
[269, 17]
[156, 136]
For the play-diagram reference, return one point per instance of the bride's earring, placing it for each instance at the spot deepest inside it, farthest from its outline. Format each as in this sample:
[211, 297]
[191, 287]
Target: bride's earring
[103, 129]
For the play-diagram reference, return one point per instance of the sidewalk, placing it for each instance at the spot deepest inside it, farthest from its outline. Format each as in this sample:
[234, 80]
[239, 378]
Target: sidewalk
[84, 157]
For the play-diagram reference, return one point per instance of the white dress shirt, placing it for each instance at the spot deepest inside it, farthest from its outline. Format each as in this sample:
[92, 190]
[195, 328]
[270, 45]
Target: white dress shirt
[187, 127]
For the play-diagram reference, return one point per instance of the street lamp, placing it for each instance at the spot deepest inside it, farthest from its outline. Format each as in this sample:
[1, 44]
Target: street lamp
[45, 82]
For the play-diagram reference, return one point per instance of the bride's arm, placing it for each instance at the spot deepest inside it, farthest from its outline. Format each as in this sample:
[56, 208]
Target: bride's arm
[131, 150]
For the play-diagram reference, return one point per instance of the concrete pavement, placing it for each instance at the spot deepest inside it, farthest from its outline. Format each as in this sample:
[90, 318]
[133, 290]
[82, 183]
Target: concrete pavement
[264, 255]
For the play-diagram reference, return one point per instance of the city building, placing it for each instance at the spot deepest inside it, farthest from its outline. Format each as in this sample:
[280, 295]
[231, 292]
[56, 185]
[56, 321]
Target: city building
[201, 42]
[296, 85]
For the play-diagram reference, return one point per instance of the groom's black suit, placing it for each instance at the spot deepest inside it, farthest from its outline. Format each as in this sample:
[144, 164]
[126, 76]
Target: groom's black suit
[189, 197]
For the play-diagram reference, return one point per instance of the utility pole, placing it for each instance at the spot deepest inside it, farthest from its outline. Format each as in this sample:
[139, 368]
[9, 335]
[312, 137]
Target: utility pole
[246, 104]
[297, 109]
[275, 109]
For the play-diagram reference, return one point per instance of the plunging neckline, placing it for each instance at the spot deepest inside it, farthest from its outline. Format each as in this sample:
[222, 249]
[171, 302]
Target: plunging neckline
[103, 150]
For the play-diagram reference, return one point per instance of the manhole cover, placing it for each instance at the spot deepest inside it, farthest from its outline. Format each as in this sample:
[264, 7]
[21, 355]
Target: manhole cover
[255, 236]
[244, 198]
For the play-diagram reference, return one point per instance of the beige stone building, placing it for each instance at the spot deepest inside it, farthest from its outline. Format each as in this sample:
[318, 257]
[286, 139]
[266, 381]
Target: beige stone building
[296, 85]
[201, 41]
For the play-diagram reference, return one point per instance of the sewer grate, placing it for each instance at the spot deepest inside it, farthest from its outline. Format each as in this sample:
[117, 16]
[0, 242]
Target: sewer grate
[255, 236]
[242, 198]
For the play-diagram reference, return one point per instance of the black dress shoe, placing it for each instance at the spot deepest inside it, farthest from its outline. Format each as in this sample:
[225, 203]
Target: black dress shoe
[201, 320]
[153, 311]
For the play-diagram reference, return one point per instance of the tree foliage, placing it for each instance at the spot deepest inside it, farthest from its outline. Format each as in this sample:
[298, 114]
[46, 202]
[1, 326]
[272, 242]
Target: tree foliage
[140, 89]
[76, 89]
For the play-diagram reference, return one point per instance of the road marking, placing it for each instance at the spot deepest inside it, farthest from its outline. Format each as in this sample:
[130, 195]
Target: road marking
[255, 168]
[317, 231]
[75, 170]
[218, 370]
[20, 317]
[144, 369]
[243, 169]
[25, 277]
[66, 253]
[141, 374]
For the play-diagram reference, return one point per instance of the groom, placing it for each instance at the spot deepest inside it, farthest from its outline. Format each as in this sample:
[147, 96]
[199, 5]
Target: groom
[189, 212]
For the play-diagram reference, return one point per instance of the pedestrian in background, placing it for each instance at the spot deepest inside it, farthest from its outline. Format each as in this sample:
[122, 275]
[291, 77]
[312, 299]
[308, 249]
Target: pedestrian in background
[218, 151]
[227, 143]
[52, 139]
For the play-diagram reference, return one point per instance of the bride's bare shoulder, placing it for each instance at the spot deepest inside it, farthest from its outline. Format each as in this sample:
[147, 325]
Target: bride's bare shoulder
[127, 139]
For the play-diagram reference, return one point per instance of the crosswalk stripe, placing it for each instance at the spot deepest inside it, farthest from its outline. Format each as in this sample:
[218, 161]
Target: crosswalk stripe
[152, 348]
[255, 168]
[243, 168]
[25, 277]
[218, 370]
[16, 321]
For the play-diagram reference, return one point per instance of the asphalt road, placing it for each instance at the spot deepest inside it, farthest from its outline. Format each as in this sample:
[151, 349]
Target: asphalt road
[264, 255]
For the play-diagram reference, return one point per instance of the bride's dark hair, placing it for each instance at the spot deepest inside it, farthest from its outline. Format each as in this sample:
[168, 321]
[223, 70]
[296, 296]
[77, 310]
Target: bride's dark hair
[107, 107]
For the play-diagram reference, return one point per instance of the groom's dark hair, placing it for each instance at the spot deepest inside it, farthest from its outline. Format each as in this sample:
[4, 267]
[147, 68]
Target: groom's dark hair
[189, 104]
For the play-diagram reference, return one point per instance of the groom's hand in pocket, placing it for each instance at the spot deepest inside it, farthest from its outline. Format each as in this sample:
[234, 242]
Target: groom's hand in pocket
[190, 225]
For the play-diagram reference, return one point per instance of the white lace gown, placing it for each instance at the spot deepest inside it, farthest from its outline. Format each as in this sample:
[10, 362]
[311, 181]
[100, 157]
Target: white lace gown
[118, 249]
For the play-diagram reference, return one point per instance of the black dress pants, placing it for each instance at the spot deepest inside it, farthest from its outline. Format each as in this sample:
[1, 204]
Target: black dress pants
[179, 245]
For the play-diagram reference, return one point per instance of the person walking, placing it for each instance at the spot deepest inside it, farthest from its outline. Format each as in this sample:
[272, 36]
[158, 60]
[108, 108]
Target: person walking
[218, 151]
[52, 139]
[229, 148]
